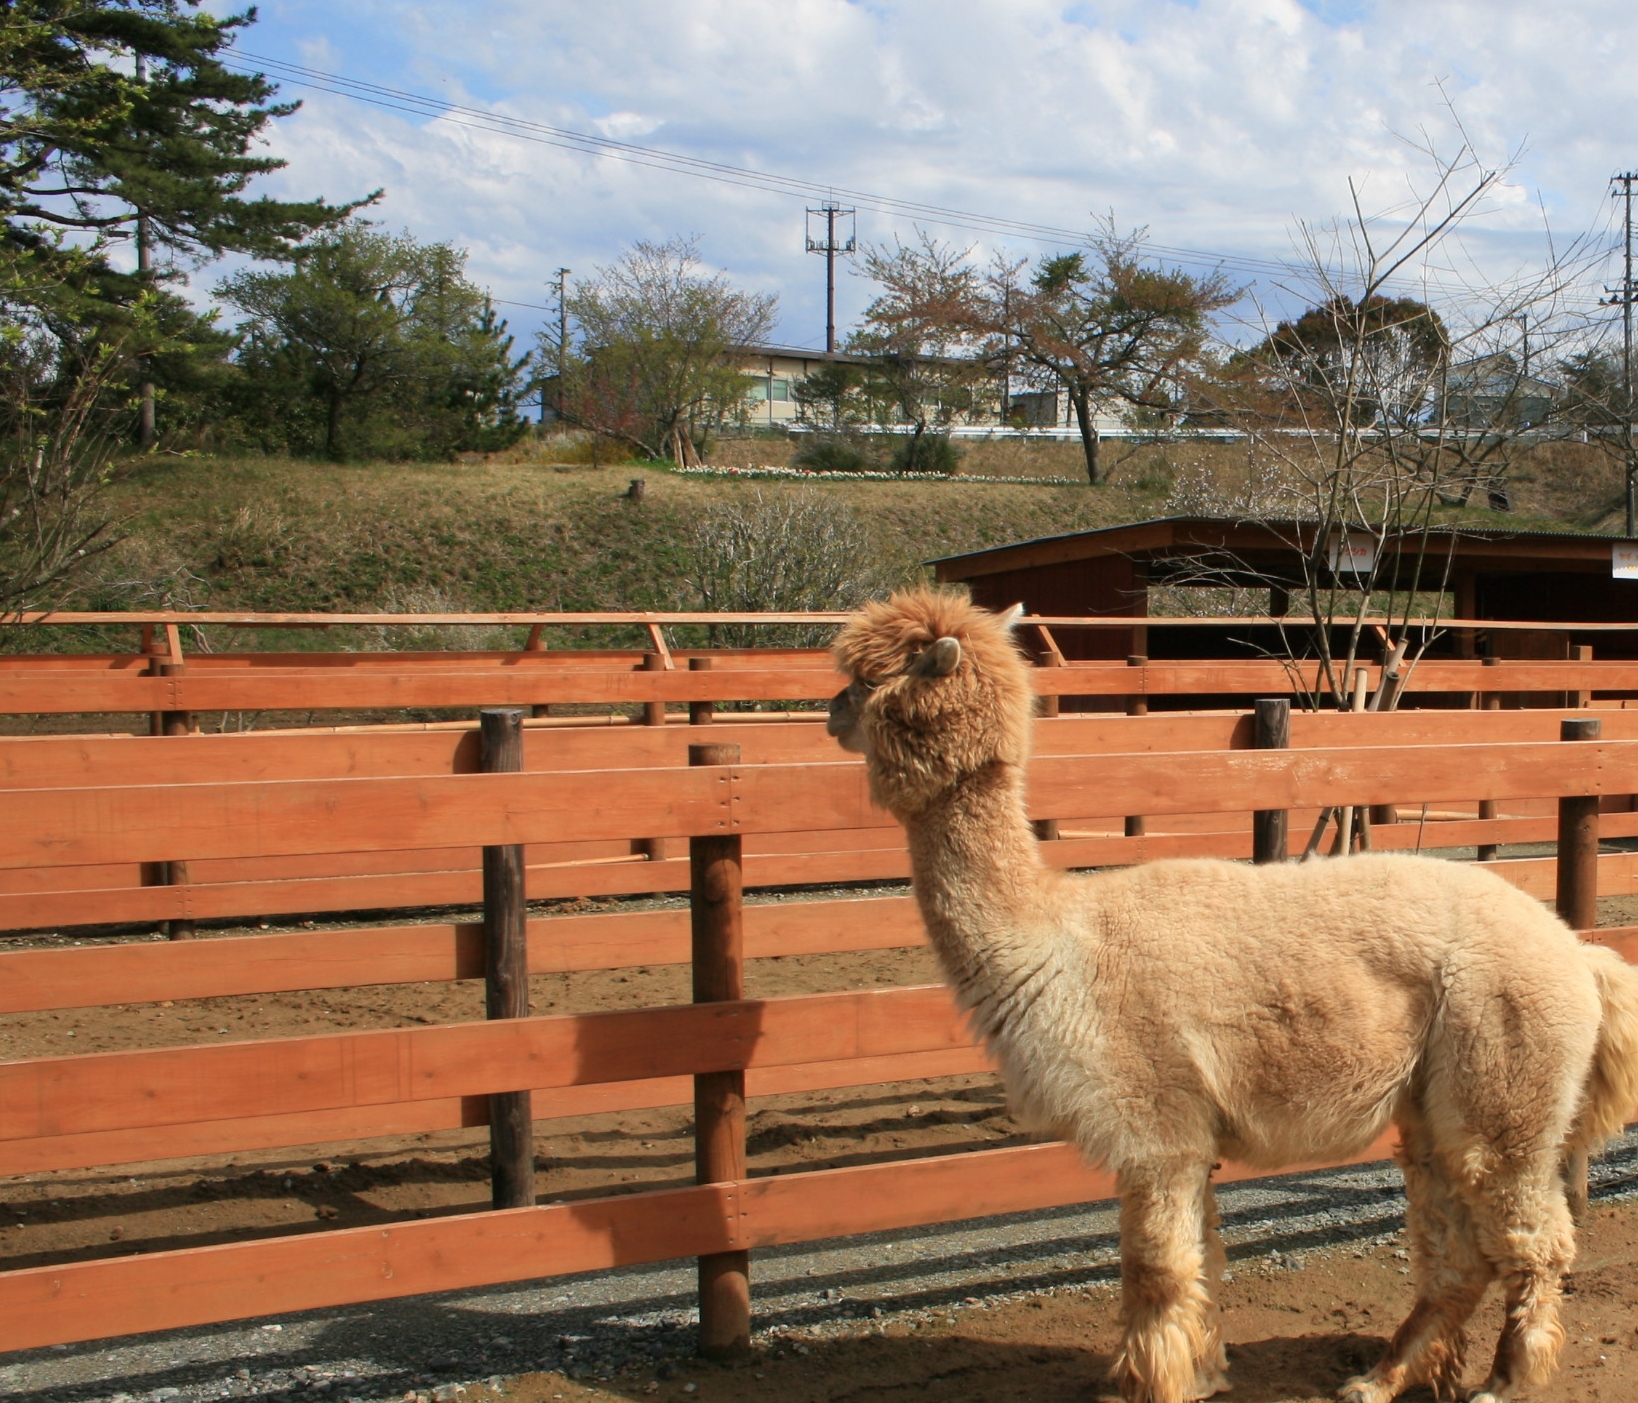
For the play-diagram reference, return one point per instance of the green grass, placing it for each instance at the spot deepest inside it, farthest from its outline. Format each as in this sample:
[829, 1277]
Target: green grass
[282, 535]
[276, 534]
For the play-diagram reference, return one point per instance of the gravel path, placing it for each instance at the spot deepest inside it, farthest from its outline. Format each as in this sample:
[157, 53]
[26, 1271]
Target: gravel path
[589, 1325]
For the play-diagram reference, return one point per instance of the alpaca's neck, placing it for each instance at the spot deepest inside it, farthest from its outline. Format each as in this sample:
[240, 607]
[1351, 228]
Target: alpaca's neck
[980, 883]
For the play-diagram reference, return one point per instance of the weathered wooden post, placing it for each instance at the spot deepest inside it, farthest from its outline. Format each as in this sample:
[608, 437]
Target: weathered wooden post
[1046, 829]
[1577, 902]
[1137, 704]
[1270, 730]
[701, 713]
[1577, 897]
[506, 970]
[716, 911]
[656, 849]
[165, 660]
[1490, 701]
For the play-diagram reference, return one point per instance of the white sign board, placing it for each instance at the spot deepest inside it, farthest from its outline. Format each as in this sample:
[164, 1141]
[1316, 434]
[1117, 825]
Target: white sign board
[1624, 561]
[1353, 554]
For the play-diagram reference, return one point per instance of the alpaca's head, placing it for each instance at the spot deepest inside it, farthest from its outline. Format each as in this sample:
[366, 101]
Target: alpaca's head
[937, 692]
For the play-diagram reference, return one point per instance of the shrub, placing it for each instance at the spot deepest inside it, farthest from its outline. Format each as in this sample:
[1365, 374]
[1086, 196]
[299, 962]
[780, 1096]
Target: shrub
[826, 453]
[926, 453]
[784, 553]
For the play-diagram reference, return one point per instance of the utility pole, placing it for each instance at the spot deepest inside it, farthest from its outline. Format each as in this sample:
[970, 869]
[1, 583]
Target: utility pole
[146, 428]
[1624, 296]
[830, 248]
[562, 338]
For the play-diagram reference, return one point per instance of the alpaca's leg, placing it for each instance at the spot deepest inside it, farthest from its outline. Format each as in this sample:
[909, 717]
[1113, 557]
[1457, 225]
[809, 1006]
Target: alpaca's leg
[1450, 1275]
[1163, 1291]
[1575, 1184]
[1212, 1374]
[1523, 1226]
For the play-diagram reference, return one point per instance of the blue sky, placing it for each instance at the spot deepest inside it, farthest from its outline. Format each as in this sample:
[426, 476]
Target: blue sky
[1220, 125]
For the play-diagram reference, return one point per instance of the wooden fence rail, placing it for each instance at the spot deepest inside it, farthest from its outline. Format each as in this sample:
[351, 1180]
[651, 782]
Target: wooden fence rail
[147, 823]
[61, 690]
[58, 893]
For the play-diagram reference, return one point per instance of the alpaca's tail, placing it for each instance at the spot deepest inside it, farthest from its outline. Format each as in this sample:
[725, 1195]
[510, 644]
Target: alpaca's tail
[1611, 1095]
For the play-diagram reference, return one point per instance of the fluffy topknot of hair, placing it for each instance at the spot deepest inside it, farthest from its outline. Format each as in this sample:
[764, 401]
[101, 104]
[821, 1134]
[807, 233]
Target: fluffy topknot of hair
[926, 732]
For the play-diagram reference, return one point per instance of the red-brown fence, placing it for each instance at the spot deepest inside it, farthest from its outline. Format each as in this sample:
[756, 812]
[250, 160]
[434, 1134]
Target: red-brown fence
[106, 1108]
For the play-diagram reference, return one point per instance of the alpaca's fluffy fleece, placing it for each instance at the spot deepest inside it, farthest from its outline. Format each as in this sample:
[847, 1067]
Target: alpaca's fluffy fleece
[1168, 1015]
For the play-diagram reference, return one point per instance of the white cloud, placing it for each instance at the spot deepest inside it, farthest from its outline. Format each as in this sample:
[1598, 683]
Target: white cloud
[1216, 124]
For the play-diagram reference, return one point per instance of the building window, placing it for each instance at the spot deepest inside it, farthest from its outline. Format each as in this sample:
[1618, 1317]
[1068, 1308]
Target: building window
[781, 389]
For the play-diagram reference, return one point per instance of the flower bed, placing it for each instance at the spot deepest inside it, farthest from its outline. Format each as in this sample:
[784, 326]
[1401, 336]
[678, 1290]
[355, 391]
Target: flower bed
[804, 475]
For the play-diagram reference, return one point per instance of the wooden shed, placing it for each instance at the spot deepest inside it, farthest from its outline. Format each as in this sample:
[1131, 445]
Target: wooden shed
[1494, 573]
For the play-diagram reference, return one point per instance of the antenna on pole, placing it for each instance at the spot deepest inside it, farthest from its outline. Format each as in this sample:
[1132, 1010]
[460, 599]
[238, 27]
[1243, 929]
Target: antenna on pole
[1624, 296]
[831, 212]
[562, 340]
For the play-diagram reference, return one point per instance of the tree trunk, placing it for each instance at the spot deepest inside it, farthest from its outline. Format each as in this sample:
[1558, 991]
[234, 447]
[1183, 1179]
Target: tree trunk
[1089, 434]
[332, 426]
[912, 458]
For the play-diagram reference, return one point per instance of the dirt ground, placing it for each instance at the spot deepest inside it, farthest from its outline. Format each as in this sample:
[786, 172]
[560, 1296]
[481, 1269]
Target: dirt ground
[1294, 1336]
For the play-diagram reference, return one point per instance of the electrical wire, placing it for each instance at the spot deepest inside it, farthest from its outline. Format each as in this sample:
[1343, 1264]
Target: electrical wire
[654, 158]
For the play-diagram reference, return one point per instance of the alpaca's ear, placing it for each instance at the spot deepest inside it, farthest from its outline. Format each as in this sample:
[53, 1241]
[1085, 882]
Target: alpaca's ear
[938, 659]
[1011, 617]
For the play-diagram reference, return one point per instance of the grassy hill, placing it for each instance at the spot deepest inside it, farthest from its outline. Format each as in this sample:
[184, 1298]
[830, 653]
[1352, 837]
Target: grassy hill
[277, 534]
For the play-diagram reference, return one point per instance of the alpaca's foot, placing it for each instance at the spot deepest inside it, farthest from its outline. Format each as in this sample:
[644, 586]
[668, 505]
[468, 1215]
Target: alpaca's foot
[1365, 1389]
[1208, 1383]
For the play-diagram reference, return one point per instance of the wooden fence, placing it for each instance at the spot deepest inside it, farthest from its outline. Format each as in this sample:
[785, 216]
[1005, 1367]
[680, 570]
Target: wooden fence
[290, 798]
[78, 888]
[174, 686]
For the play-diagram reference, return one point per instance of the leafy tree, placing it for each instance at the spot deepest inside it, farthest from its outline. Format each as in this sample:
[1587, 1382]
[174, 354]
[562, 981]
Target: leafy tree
[367, 325]
[651, 363]
[119, 121]
[831, 395]
[1381, 358]
[926, 363]
[1112, 331]
[91, 146]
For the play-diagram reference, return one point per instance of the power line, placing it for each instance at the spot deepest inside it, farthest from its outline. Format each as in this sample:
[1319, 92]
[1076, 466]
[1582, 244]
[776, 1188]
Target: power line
[540, 133]
[440, 109]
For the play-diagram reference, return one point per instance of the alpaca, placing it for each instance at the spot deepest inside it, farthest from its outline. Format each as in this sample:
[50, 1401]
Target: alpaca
[1166, 1016]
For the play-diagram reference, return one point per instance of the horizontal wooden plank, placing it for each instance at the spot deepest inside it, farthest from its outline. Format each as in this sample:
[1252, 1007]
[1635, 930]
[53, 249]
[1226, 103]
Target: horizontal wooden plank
[283, 1076]
[157, 823]
[55, 690]
[36, 762]
[145, 1144]
[160, 822]
[307, 689]
[261, 964]
[170, 1290]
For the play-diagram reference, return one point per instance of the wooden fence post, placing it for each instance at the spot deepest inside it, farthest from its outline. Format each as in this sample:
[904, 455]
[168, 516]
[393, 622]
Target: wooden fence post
[1046, 829]
[1271, 730]
[656, 849]
[716, 915]
[1577, 898]
[1577, 902]
[165, 660]
[1137, 704]
[506, 970]
[1490, 701]
[701, 713]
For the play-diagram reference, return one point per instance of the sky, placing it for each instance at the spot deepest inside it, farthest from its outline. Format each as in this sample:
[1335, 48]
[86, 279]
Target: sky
[1222, 127]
